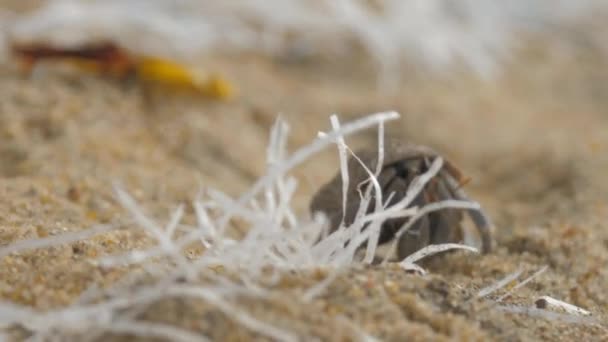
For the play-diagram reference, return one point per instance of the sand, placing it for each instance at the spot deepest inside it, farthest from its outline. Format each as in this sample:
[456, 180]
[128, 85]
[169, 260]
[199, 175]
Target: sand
[533, 139]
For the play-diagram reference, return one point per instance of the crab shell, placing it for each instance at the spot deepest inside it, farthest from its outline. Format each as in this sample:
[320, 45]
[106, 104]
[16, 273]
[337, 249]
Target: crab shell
[403, 162]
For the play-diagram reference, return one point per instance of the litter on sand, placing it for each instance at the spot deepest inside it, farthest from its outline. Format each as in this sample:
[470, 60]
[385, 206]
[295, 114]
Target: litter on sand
[109, 59]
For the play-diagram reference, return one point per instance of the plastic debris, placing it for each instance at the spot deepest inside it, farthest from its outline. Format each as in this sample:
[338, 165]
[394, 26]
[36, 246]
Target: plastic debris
[109, 59]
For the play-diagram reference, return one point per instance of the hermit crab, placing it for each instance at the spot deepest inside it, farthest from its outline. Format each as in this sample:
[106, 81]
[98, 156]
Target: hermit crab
[402, 163]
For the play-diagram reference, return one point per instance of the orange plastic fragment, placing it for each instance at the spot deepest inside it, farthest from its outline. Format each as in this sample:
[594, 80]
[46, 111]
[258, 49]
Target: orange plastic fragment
[106, 58]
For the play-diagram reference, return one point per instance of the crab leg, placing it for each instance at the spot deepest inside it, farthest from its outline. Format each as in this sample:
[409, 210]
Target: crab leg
[444, 230]
[479, 217]
[418, 235]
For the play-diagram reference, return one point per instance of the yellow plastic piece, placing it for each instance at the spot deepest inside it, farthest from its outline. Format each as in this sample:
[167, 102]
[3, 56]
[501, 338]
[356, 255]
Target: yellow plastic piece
[218, 87]
[174, 74]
